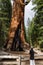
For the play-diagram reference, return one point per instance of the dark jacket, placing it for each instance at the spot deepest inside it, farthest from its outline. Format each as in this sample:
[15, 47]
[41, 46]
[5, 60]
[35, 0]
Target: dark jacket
[32, 54]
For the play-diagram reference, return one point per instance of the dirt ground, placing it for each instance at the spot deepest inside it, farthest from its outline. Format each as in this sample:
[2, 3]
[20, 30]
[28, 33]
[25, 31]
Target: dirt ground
[38, 61]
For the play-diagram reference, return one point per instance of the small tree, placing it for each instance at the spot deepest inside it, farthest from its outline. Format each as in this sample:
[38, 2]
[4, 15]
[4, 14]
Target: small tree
[30, 32]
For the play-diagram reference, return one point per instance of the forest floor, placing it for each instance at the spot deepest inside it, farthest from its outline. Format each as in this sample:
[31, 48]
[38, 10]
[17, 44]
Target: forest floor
[38, 56]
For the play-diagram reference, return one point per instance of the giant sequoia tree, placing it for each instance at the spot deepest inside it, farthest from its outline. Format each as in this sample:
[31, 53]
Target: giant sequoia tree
[5, 17]
[16, 31]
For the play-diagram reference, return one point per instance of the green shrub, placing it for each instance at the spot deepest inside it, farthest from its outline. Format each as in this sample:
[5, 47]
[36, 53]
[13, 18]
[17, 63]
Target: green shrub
[41, 45]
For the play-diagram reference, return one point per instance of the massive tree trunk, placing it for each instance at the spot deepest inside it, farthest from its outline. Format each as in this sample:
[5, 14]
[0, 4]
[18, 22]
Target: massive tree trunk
[17, 17]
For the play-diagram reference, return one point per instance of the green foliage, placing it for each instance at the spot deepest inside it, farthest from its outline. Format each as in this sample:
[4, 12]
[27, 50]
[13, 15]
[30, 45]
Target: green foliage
[35, 30]
[5, 17]
[30, 32]
[39, 20]
[41, 45]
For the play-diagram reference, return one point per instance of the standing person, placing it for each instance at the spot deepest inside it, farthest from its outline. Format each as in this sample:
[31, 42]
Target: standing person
[32, 61]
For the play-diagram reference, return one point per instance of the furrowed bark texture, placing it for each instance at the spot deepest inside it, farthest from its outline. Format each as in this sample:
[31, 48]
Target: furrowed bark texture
[17, 17]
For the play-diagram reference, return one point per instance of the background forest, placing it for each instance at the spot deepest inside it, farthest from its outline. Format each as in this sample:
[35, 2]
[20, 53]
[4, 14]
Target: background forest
[35, 27]
[5, 17]
[34, 34]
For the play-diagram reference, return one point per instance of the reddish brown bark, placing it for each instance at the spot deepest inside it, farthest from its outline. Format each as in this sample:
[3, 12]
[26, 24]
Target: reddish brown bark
[17, 17]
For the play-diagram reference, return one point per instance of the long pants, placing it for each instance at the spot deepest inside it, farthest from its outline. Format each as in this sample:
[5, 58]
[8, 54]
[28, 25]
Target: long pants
[32, 62]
